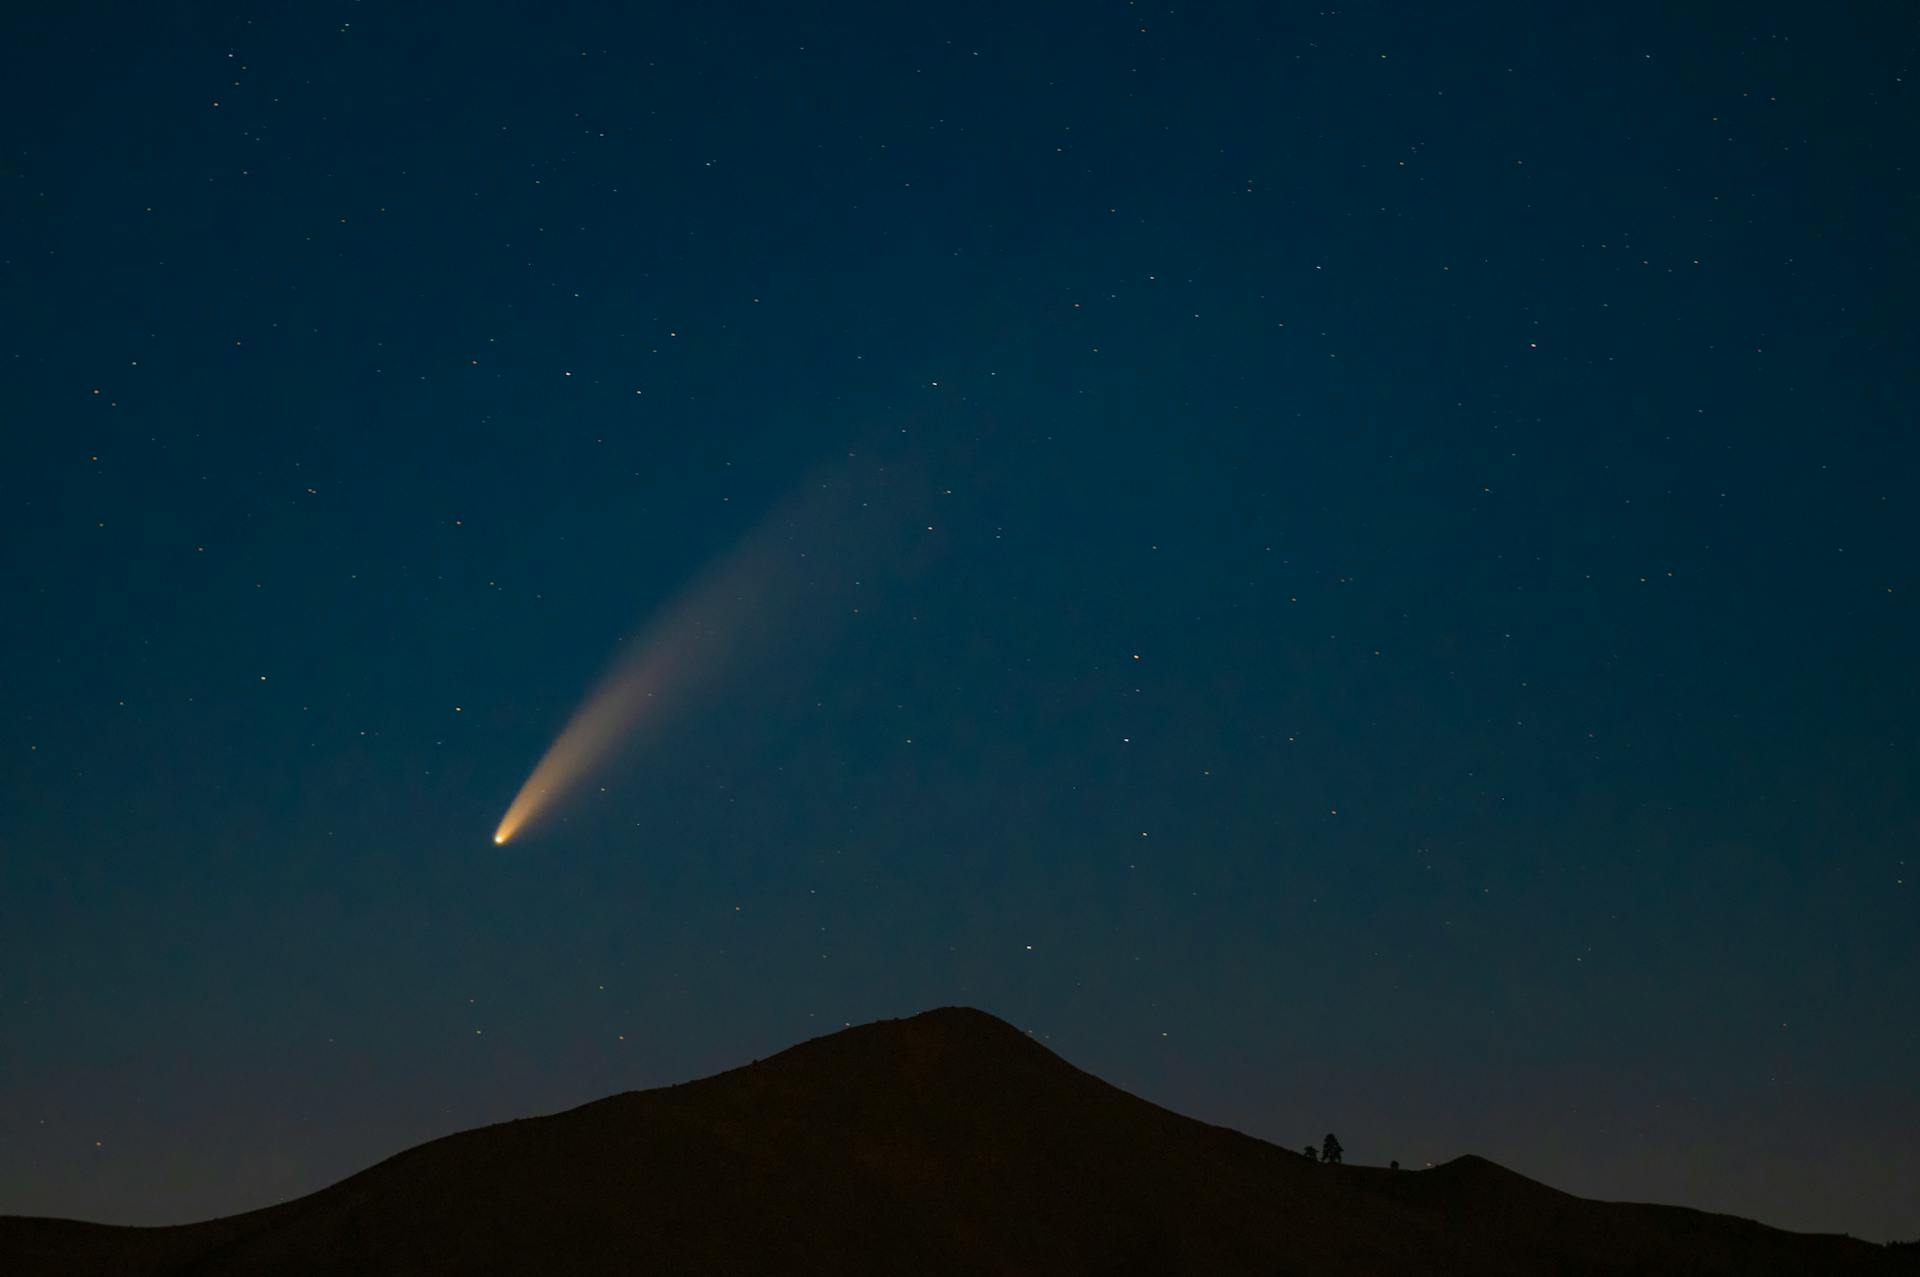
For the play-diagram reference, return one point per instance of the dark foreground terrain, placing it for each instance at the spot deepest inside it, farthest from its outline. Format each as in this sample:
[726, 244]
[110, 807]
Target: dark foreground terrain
[945, 1143]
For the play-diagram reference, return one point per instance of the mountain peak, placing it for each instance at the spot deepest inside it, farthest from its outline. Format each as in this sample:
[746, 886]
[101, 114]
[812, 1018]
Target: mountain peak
[944, 1142]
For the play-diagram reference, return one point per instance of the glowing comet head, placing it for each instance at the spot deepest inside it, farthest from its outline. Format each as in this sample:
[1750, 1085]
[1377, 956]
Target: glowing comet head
[499, 840]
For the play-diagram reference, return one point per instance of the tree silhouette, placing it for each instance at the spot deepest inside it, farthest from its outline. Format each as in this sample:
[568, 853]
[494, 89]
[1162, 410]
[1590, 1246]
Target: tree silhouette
[1393, 1166]
[1312, 1153]
[1330, 1149]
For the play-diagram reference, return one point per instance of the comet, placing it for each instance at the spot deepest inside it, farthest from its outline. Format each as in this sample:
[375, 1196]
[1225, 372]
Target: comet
[785, 577]
[685, 643]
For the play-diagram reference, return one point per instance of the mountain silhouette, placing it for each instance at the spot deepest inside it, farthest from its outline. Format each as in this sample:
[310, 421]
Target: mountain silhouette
[946, 1143]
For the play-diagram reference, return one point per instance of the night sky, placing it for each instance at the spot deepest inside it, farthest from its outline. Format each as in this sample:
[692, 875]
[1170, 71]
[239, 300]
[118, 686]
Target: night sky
[1348, 569]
